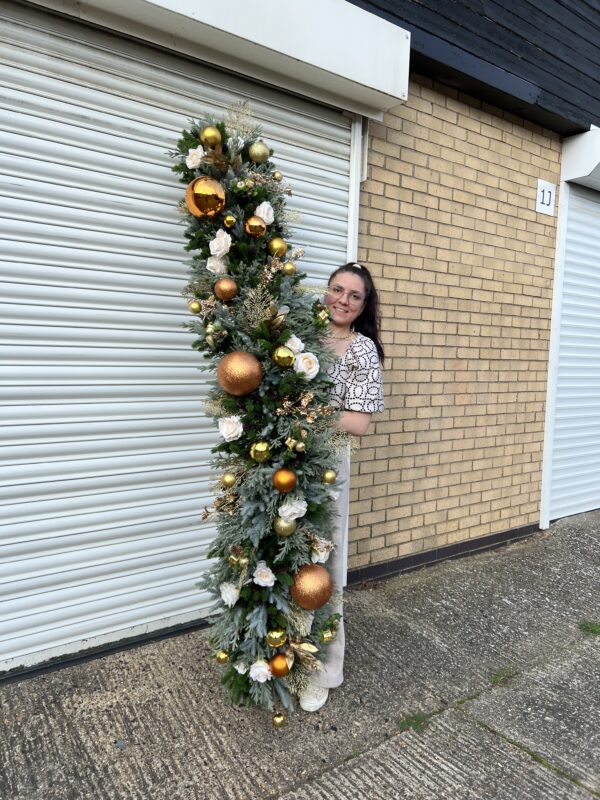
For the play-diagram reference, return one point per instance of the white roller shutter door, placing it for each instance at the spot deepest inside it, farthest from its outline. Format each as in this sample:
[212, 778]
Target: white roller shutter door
[104, 450]
[575, 454]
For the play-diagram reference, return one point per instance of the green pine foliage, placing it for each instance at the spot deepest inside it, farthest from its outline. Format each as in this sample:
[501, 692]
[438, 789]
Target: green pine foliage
[288, 410]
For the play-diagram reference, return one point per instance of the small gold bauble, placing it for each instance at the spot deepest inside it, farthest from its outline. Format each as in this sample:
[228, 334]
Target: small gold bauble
[277, 247]
[283, 356]
[225, 289]
[312, 587]
[327, 636]
[233, 560]
[260, 451]
[228, 480]
[229, 220]
[258, 152]
[255, 226]
[289, 268]
[276, 638]
[329, 476]
[300, 447]
[277, 176]
[283, 528]
[205, 197]
[284, 480]
[279, 666]
[243, 562]
[278, 720]
[210, 136]
[194, 306]
[239, 373]
[222, 657]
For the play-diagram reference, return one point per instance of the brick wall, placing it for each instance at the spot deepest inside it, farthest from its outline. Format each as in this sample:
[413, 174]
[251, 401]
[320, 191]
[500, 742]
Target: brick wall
[464, 266]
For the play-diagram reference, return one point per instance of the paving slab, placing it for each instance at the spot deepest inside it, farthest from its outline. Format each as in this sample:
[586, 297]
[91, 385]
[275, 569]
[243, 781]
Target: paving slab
[152, 722]
[452, 759]
[554, 712]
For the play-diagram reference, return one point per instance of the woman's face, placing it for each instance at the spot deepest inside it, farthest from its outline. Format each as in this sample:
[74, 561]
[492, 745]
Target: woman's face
[346, 297]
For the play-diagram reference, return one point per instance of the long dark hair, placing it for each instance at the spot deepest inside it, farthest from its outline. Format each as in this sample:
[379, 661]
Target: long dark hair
[368, 322]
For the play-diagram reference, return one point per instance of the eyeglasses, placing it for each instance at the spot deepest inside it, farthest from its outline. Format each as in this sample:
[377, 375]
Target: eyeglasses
[354, 298]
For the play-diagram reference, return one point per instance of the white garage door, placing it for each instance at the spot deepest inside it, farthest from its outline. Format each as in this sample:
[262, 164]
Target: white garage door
[574, 482]
[104, 451]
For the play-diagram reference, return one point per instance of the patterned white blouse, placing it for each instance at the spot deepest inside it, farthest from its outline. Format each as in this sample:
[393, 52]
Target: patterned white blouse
[357, 377]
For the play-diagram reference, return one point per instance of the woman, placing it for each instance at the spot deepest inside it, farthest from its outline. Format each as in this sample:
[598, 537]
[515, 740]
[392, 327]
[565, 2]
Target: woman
[354, 337]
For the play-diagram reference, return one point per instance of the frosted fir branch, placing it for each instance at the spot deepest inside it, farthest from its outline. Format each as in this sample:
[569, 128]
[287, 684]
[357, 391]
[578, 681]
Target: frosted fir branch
[257, 621]
[282, 692]
[262, 694]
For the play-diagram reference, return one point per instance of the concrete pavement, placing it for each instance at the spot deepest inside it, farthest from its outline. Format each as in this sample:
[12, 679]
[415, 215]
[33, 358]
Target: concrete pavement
[470, 679]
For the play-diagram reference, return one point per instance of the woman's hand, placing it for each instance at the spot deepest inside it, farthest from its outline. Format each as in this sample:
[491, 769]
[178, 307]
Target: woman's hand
[354, 422]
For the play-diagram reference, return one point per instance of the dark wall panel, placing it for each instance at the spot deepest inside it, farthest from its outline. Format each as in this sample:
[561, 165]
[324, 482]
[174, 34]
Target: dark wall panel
[539, 58]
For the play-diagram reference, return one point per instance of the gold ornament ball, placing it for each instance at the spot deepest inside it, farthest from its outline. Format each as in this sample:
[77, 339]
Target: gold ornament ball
[258, 152]
[278, 720]
[239, 373]
[205, 197]
[279, 666]
[276, 638]
[284, 480]
[289, 268]
[312, 587]
[225, 289]
[277, 176]
[329, 476]
[283, 356]
[210, 136]
[277, 247]
[194, 306]
[300, 447]
[255, 227]
[222, 657]
[283, 528]
[260, 451]
[228, 480]
[229, 220]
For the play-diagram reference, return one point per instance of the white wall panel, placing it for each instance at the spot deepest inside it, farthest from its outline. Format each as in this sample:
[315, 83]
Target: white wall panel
[104, 449]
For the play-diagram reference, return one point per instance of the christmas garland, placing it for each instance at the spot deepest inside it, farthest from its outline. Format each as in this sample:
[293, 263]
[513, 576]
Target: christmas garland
[263, 334]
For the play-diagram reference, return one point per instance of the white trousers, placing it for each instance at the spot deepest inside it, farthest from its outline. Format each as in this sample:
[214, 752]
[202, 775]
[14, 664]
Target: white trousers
[332, 674]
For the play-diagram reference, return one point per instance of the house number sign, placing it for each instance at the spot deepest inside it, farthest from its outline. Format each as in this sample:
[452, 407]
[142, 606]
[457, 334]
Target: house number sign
[546, 195]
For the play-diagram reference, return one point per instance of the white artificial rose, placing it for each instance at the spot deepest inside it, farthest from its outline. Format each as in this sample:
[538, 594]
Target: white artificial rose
[307, 364]
[194, 156]
[263, 575]
[215, 265]
[292, 509]
[260, 671]
[320, 550]
[295, 344]
[241, 667]
[230, 428]
[230, 594]
[265, 212]
[219, 246]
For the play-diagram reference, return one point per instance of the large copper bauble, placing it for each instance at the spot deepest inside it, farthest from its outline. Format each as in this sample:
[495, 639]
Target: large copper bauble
[210, 136]
[283, 528]
[277, 247]
[205, 197]
[239, 373]
[258, 152]
[283, 356]
[276, 638]
[255, 226]
[225, 289]
[312, 587]
[284, 480]
[279, 666]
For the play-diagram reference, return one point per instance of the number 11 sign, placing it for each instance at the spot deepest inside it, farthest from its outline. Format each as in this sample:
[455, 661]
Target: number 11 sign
[546, 195]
